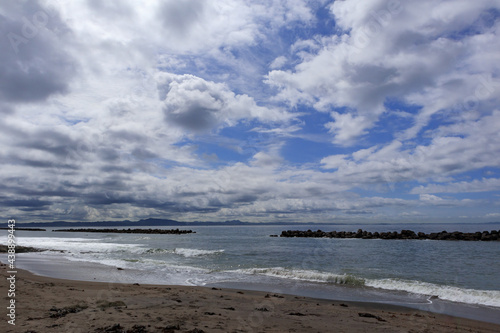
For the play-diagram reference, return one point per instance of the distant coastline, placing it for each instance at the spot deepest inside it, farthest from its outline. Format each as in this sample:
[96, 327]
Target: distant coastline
[169, 222]
[144, 222]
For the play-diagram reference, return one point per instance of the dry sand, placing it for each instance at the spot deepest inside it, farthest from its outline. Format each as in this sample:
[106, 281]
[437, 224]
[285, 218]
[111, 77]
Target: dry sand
[54, 305]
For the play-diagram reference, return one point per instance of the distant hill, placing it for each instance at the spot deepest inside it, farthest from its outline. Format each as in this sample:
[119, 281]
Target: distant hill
[167, 223]
[141, 223]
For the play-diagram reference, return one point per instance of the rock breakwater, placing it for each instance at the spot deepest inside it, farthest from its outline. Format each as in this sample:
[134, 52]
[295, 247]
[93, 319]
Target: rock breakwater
[130, 231]
[493, 235]
[24, 229]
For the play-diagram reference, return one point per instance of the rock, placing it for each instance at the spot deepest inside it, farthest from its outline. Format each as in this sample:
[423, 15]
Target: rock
[116, 328]
[137, 329]
[66, 310]
[369, 315]
[21, 249]
[130, 231]
[296, 314]
[25, 229]
[494, 235]
[170, 328]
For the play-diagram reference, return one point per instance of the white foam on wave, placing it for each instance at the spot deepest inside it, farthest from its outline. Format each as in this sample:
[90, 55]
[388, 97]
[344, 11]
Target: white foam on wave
[196, 252]
[157, 251]
[95, 250]
[449, 293]
[305, 275]
[78, 245]
[143, 264]
[102, 261]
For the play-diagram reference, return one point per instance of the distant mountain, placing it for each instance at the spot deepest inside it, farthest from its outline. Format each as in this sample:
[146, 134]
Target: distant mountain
[141, 223]
[166, 223]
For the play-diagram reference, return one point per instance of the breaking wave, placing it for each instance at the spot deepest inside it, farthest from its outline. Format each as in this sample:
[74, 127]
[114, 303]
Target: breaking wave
[79, 245]
[443, 292]
[196, 252]
[305, 275]
[157, 251]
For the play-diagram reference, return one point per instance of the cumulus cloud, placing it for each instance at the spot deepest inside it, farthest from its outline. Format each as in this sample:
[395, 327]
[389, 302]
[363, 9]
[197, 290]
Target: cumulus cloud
[333, 161]
[106, 121]
[483, 185]
[446, 156]
[278, 62]
[34, 63]
[198, 105]
[195, 25]
[433, 200]
[120, 110]
[397, 50]
[347, 128]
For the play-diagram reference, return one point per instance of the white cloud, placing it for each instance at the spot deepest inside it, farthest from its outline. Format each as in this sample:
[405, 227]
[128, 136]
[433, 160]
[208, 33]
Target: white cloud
[431, 198]
[106, 106]
[198, 105]
[455, 149]
[99, 137]
[333, 161]
[483, 185]
[278, 62]
[395, 49]
[35, 63]
[347, 128]
[263, 159]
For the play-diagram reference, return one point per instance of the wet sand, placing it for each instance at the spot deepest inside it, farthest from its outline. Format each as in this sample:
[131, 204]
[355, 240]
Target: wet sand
[46, 304]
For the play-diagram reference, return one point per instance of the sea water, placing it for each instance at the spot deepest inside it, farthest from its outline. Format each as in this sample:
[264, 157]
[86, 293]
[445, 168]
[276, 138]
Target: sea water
[455, 277]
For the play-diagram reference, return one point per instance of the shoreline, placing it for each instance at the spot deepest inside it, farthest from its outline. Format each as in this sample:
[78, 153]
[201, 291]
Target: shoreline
[42, 303]
[55, 267]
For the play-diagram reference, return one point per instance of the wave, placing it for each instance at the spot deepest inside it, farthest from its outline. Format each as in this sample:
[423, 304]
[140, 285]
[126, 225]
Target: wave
[185, 252]
[78, 245]
[443, 292]
[157, 251]
[305, 275]
[195, 252]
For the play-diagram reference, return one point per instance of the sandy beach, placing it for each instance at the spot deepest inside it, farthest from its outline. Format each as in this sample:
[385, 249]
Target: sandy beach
[54, 305]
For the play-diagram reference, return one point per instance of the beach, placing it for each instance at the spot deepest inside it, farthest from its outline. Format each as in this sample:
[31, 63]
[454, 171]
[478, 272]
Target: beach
[250, 166]
[45, 304]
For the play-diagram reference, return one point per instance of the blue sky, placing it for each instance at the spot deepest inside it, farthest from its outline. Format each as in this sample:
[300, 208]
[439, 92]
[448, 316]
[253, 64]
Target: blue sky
[327, 111]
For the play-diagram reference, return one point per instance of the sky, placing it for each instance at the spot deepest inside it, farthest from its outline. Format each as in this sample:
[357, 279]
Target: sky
[259, 111]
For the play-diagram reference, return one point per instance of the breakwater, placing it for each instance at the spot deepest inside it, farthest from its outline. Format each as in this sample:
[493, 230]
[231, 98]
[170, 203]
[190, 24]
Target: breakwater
[25, 229]
[131, 231]
[20, 249]
[493, 235]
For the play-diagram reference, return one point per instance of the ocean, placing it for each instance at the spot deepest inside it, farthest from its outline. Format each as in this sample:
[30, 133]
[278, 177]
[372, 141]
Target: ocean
[454, 277]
